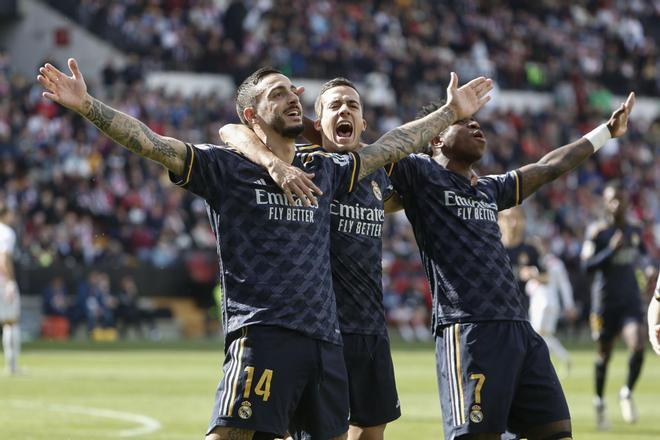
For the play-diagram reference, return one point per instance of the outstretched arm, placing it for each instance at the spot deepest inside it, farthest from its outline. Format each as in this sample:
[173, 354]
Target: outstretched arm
[414, 136]
[564, 159]
[291, 179]
[71, 92]
[654, 318]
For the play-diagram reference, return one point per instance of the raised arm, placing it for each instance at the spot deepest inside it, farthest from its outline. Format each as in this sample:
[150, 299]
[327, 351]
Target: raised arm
[562, 160]
[414, 136]
[71, 92]
[289, 178]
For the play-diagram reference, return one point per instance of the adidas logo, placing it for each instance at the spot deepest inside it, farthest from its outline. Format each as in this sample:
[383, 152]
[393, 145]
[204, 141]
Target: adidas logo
[261, 182]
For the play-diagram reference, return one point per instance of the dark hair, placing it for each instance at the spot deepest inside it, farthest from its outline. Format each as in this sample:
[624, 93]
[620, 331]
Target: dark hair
[4, 209]
[246, 95]
[429, 108]
[335, 82]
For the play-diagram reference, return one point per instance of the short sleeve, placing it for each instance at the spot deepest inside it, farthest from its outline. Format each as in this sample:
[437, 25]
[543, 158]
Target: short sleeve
[205, 170]
[506, 189]
[403, 174]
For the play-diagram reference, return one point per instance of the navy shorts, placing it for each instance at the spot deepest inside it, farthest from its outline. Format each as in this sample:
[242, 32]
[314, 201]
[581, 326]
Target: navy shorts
[372, 388]
[607, 325]
[275, 377]
[496, 376]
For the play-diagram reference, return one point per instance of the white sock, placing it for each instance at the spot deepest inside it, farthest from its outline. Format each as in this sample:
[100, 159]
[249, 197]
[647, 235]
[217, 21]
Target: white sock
[422, 332]
[556, 348]
[406, 332]
[11, 345]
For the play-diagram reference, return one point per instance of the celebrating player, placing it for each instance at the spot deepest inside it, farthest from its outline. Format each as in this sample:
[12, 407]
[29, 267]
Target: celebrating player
[611, 251]
[10, 300]
[494, 371]
[355, 254]
[284, 361]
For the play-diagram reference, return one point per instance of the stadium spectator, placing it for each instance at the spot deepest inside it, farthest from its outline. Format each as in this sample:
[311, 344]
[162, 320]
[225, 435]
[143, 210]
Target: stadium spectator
[55, 309]
[523, 45]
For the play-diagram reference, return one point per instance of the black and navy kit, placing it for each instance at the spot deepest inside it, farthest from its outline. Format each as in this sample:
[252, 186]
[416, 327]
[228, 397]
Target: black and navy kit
[278, 299]
[356, 260]
[615, 294]
[455, 225]
[356, 252]
[494, 371]
[274, 258]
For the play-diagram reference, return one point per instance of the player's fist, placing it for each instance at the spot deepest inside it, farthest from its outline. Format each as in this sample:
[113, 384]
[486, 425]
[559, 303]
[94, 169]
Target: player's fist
[468, 99]
[69, 91]
[618, 123]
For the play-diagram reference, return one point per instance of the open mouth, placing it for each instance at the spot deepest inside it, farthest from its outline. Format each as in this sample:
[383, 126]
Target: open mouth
[344, 129]
[294, 112]
[478, 134]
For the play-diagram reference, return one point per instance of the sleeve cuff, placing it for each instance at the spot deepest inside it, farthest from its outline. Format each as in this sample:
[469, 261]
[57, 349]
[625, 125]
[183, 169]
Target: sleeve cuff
[187, 167]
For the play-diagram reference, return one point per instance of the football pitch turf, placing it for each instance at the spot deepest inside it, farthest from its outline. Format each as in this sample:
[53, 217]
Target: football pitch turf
[165, 390]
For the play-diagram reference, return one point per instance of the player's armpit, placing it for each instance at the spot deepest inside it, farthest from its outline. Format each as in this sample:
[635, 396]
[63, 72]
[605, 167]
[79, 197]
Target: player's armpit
[393, 203]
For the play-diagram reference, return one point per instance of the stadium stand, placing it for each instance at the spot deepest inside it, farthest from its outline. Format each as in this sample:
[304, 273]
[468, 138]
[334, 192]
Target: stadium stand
[85, 203]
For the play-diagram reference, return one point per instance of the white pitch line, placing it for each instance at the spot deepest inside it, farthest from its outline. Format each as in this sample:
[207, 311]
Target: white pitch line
[148, 424]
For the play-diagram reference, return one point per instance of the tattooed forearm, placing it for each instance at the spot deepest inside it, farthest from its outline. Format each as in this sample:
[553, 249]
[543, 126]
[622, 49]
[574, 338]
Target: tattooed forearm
[554, 164]
[410, 138]
[135, 136]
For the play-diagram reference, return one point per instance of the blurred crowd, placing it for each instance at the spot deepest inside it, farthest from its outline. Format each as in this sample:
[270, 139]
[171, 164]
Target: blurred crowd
[415, 43]
[82, 200]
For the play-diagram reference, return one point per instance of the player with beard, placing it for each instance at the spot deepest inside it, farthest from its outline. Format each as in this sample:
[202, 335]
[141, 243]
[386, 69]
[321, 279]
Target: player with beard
[612, 252]
[283, 355]
[356, 258]
[494, 371]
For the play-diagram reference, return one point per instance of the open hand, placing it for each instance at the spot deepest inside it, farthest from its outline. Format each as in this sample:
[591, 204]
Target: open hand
[293, 180]
[469, 98]
[69, 91]
[618, 123]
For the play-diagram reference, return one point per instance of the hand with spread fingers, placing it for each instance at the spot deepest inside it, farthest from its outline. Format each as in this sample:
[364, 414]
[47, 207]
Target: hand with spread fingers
[468, 99]
[293, 180]
[69, 91]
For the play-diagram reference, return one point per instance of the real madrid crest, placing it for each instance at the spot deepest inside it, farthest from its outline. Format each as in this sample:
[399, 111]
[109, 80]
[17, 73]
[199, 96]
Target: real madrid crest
[476, 416]
[245, 410]
[376, 189]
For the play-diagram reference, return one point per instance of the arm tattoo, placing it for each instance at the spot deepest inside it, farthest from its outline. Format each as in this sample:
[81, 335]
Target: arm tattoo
[135, 136]
[410, 138]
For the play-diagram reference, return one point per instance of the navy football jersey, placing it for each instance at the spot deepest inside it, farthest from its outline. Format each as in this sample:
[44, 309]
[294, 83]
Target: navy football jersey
[274, 258]
[614, 284]
[356, 253]
[456, 230]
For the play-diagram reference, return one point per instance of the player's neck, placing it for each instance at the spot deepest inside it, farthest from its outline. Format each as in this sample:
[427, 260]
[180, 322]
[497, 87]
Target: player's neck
[283, 147]
[459, 167]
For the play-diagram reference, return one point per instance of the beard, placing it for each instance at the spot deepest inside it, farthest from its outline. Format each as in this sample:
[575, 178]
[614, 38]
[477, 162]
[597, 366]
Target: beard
[280, 127]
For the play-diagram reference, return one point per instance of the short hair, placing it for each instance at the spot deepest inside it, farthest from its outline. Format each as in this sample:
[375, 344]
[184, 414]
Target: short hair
[247, 92]
[335, 82]
[429, 108]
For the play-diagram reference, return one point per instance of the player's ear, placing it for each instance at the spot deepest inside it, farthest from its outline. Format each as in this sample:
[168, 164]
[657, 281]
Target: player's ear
[437, 141]
[250, 115]
[317, 124]
[364, 124]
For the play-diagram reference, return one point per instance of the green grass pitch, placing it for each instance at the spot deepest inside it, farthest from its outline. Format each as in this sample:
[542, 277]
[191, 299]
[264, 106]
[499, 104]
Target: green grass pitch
[164, 391]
